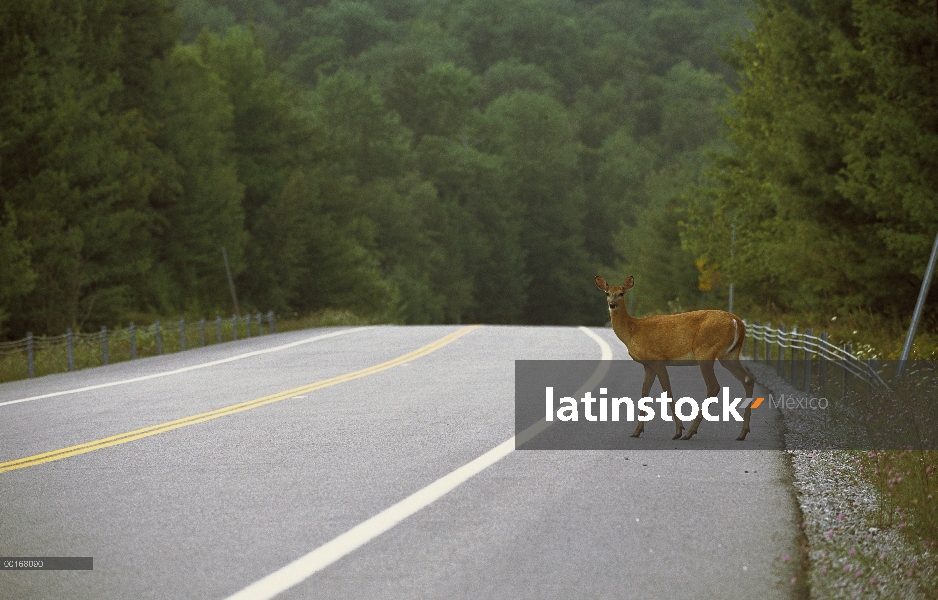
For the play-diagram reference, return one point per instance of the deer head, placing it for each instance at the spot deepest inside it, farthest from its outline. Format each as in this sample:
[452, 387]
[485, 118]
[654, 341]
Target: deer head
[615, 294]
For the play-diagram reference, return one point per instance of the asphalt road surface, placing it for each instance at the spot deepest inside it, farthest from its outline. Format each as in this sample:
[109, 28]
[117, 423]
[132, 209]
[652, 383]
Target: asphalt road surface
[340, 463]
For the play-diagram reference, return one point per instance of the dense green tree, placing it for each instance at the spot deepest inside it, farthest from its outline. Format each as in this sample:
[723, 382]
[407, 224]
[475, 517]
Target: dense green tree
[309, 243]
[424, 161]
[830, 184]
[533, 134]
[76, 167]
[531, 31]
[200, 203]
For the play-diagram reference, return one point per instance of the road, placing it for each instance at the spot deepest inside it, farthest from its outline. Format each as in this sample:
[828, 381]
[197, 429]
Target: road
[220, 501]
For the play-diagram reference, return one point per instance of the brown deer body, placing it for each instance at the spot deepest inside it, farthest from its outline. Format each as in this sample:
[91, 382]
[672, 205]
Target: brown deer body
[701, 337]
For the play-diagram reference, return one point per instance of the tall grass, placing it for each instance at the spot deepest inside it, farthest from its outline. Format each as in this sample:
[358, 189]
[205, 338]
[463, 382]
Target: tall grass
[907, 481]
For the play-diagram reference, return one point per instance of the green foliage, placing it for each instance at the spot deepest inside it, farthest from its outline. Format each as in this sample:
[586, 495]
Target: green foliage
[426, 161]
[534, 135]
[76, 168]
[200, 203]
[831, 182]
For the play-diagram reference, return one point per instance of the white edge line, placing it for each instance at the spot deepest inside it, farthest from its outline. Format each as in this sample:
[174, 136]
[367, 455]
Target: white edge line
[356, 537]
[186, 369]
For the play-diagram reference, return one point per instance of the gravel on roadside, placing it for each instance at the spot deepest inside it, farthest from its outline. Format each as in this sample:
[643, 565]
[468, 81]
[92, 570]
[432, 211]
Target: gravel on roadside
[851, 555]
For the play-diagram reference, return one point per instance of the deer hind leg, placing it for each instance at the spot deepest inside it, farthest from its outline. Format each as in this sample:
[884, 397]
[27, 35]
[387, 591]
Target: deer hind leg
[713, 389]
[745, 377]
[646, 387]
[662, 372]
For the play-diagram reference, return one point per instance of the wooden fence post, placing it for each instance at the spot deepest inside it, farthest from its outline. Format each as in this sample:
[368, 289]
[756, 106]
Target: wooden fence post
[103, 345]
[159, 337]
[29, 354]
[68, 349]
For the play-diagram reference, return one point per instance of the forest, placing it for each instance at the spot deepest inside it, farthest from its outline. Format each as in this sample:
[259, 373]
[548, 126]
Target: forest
[444, 161]
[421, 161]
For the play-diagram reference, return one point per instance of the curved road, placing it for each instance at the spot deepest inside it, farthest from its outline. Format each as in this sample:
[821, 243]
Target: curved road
[332, 463]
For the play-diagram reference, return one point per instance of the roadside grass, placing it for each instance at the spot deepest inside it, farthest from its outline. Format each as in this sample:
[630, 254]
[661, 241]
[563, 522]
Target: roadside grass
[906, 481]
[872, 336]
[50, 355]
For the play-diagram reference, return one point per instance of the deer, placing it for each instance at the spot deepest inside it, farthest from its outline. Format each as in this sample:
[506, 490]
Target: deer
[700, 336]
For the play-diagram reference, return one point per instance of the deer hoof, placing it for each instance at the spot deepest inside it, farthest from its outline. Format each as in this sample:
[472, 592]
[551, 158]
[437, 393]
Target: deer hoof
[742, 437]
[687, 436]
[635, 435]
[677, 436]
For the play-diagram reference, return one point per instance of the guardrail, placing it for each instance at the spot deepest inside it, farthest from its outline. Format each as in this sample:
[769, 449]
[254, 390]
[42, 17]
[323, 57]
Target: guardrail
[806, 357]
[127, 340]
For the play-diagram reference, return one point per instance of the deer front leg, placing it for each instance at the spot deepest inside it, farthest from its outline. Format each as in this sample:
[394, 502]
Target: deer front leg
[693, 427]
[713, 388]
[646, 387]
[745, 430]
[662, 372]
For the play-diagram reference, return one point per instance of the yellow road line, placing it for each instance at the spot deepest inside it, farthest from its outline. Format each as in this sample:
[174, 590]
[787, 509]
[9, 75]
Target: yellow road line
[123, 438]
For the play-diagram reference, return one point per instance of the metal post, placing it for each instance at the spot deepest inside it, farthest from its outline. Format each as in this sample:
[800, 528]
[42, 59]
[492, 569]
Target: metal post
[822, 363]
[234, 296]
[29, 354]
[768, 348]
[794, 353]
[732, 244]
[848, 348]
[270, 322]
[755, 342]
[70, 352]
[234, 327]
[780, 365]
[919, 306]
[871, 364]
[260, 323]
[159, 337]
[133, 342]
[218, 327]
[247, 323]
[182, 333]
[806, 368]
[202, 330]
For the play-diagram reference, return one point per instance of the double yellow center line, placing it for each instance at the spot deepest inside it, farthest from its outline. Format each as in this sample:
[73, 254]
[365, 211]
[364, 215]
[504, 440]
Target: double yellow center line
[123, 438]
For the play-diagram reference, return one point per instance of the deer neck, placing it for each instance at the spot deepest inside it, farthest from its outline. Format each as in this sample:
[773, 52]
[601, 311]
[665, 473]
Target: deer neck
[623, 324]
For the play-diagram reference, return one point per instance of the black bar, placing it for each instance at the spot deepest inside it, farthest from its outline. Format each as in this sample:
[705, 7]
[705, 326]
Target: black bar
[47, 563]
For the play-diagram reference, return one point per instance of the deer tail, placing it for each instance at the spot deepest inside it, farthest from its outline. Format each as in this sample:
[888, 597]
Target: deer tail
[739, 336]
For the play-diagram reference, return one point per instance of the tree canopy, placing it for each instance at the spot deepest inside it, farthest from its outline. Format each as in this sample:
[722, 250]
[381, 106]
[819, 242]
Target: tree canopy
[421, 161]
[832, 179]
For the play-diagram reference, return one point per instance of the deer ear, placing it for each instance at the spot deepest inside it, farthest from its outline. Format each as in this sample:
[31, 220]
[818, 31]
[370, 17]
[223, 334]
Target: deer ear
[601, 283]
[629, 282]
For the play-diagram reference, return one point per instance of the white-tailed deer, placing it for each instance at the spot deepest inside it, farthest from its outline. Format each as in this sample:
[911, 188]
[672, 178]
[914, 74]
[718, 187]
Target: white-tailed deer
[701, 336]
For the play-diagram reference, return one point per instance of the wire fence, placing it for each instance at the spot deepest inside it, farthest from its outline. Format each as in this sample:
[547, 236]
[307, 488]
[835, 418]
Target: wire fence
[809, 361]
[34, 356]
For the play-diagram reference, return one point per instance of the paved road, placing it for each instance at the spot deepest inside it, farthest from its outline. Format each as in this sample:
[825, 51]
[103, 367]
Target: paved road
[208, 508]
